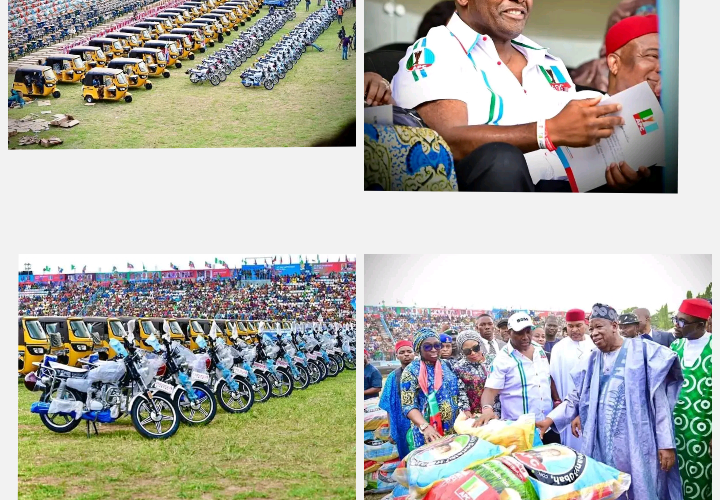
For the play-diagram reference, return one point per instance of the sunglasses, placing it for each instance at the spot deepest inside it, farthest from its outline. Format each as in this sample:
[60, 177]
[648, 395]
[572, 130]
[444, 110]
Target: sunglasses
[475, 348]
[681, 322]
[430, 347]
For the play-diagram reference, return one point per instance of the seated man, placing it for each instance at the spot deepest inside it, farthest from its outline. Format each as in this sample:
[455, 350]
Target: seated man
[486, 89]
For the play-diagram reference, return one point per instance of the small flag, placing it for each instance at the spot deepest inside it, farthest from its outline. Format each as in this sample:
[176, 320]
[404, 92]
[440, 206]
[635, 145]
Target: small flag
[192, 265]
[130, 266]
[318, 259]
[301, 261]
[173, 266]
[208, 265]
[84, 267]
[46, 269]
[225, 265]
[280, 260]
[266, 262]
[144, 267]
[114, 269]
[290, 257]
[72, 267]
[274, 259]
[346, 258]
[60, 270]
[256, 262]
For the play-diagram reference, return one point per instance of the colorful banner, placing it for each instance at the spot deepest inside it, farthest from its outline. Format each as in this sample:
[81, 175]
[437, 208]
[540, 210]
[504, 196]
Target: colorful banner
[327, 267]
[287, 269]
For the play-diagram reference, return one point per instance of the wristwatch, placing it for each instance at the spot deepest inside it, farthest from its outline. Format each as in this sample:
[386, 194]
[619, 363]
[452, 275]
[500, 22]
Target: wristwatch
[424, 426]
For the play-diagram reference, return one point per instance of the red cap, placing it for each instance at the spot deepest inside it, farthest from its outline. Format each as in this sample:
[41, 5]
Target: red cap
[628, 29]
[403, 343]
[367, 353]
[575, 315]
[700, 308]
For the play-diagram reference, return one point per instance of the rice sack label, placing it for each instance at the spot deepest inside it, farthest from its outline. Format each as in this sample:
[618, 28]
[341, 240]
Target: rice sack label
[380, 451]
[560, 473]
[374, 417]
[368, 435]
[371, 466]
[447, 456]
[516, 433]
[382, 432]
[376, 482]
[389, 467]
[506, 475]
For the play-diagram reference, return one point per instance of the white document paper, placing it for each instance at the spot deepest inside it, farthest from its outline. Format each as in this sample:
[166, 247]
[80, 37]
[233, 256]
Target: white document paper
[640, 142]
[379, 115]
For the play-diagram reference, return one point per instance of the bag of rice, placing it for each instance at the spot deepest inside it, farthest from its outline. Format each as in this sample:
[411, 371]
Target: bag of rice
[380, 451]
[367, 435]
[375, 482]
[374, 417]
[400, 492]
[371, 466]
[560, 473]
[518, 434]
[383, 431]
[446, 456]
[388, 468]
[505, 474]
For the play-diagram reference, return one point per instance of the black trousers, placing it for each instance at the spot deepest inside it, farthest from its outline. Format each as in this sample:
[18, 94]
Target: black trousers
[551, 437]
[496, 166]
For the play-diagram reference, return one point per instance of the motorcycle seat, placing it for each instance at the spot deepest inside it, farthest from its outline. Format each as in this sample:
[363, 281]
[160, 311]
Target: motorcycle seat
[59, 366]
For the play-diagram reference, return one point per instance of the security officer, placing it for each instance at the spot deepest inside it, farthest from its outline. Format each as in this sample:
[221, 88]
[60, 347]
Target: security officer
[494, 94]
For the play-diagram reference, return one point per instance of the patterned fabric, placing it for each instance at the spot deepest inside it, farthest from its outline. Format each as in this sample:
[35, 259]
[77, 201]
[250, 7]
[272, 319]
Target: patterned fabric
[604, 311]
[399, 158]
[473, 377]
[612, 413]
[693, 422]
[450, 397]
[421, 335]
[390, 402]
[466, 335]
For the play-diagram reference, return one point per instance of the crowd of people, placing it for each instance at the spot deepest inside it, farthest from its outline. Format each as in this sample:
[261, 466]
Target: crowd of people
[301, 298]
[34, 24]
[608, 385]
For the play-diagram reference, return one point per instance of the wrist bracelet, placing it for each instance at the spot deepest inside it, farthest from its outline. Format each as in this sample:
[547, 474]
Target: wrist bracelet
[548, 143]
[541, 134]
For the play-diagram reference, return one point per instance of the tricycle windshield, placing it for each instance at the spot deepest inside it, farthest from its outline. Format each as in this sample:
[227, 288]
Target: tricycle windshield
[175, 327]
[117, 45]
[100, 54]
[197, 328]
[80, 329]
[145, 34]
[117, 328]
[35, 330]
[49, 75]
[79, 64]
[121, 78]
[142, 67]
[173, 47]
[150, 328]
[134, 39]
[160, 57]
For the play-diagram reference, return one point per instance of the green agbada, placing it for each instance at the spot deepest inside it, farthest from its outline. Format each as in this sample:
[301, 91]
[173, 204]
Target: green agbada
[693, 423]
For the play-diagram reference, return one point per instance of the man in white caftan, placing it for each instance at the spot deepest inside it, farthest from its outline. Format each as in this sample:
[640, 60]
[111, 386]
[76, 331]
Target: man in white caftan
[565, 355]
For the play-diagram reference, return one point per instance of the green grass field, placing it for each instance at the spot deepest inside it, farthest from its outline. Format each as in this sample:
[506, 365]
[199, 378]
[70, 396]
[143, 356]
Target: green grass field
[314, 101]
[298, 447]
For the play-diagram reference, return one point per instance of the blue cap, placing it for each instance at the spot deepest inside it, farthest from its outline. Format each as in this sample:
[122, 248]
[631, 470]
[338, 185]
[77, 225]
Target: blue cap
[445, 338]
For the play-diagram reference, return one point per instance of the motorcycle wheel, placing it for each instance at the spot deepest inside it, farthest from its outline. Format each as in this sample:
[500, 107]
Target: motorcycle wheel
[303, 379]
[262, 391]
[290, 65]
[282, 75]
[349, 363]
[313, 372]
[282, 384]
[222, 76]
[235, 402]
[247, 84]
[202, 411]
[339, 360]
[194, 78]
[269, 84]
[323, 369]
[143, 410]
[227, 70]
[332, 367]
[60, 423]
[215, 80]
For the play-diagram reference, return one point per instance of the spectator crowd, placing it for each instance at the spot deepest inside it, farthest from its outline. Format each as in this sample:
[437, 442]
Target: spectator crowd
[301, 298]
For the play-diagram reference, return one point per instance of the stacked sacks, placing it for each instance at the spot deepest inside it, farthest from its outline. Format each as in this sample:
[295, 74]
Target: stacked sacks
[381, 456]
[463, 467]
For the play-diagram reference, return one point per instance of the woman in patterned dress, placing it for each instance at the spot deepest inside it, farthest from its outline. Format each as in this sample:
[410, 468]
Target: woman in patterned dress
[430, 392]
[471, 369]
[693, 411]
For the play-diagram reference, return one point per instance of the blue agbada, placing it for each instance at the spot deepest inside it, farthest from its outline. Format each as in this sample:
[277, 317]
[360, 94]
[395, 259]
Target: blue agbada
[448, 396]
[626, 414]
[390, 402]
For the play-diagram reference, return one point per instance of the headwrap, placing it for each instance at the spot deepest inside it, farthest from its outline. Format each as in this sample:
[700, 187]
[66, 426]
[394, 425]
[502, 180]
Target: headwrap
[420, 336]
[403, 343]
[466, 335]
[700, 308]
[629, 29]
[445, 339]
[575, 315]
[604, 311]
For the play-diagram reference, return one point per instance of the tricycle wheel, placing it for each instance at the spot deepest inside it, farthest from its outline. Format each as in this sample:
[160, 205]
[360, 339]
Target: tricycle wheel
[202, 50]
[128, 98]
[148, 85]
[166, 74]
[221, 38]
[236, 27]
[88, 99]
[212, 44]
[191, 57]
[178, 65]
[56, 94]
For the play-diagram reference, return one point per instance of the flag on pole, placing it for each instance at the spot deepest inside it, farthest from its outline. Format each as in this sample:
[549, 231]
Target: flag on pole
[290, 257]
[281, 260]
[114, 269]
[301, 261]
[84, 267]
[346, 258]
[144, 267]
[59, 270]
[72, 267]
[225, 265]
[46, 269]
[318, 259]
[130, 266]
[192, 265]
[173, 266]
[266, 262]
[208, 265]
[256, 262]
[274, 259]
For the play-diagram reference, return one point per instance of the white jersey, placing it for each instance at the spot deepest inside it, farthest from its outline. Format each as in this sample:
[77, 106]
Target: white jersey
[454, 62]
